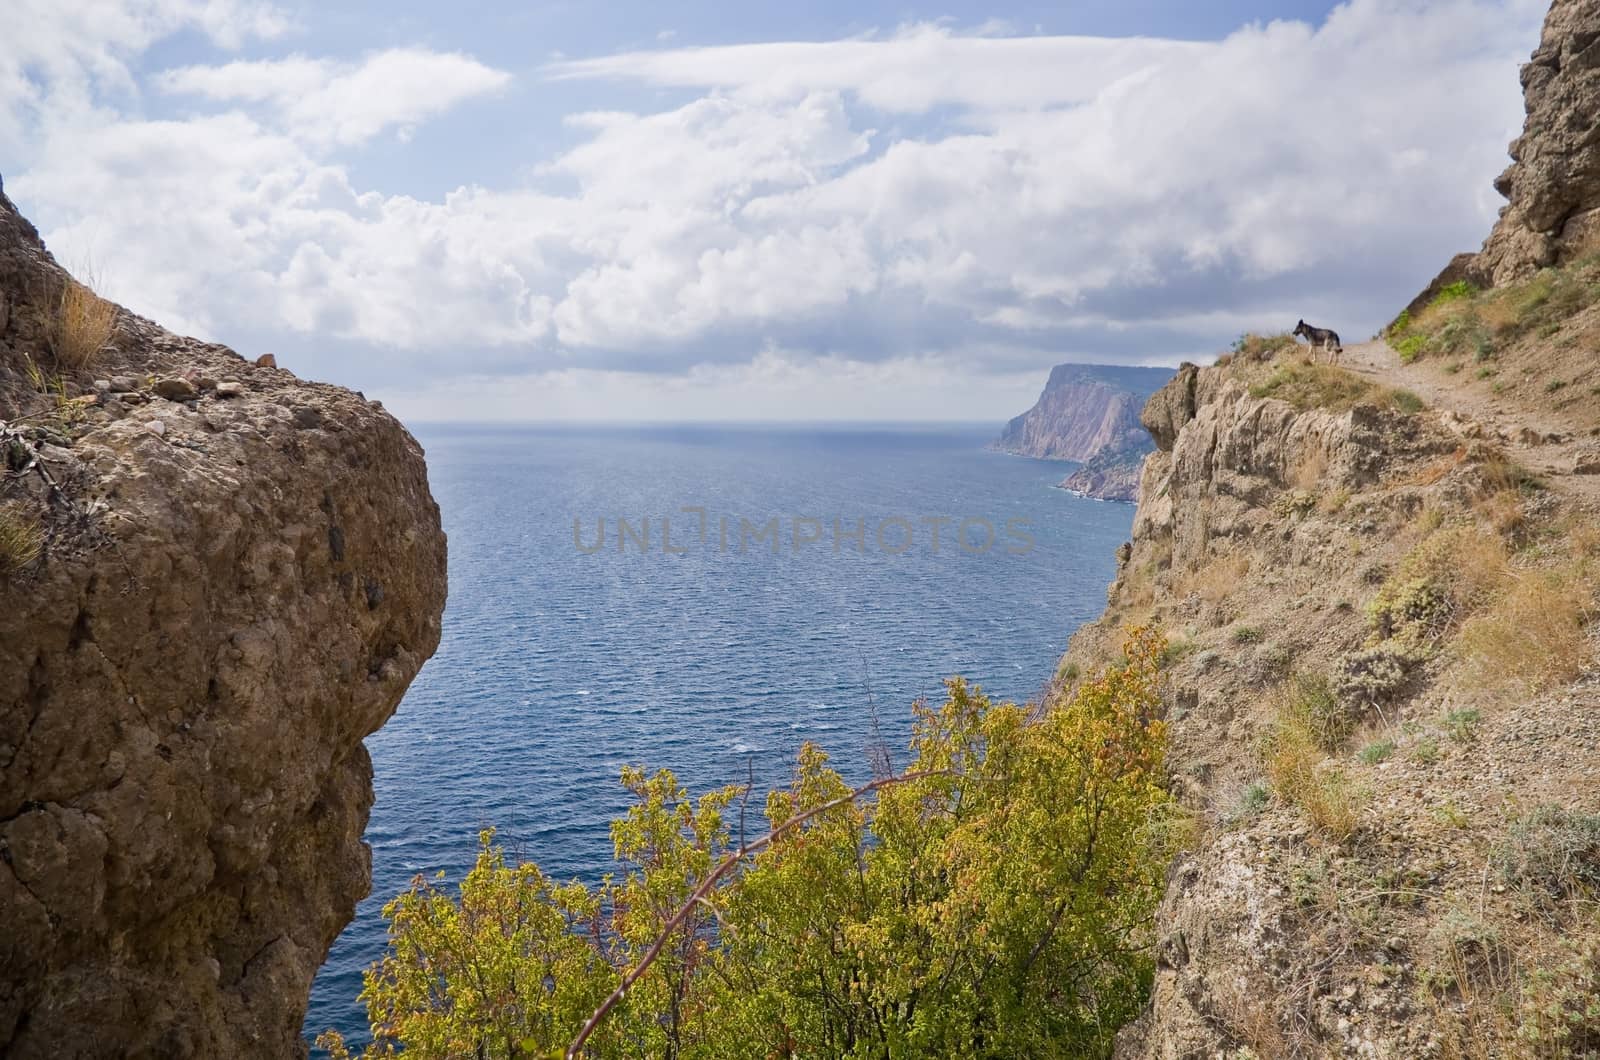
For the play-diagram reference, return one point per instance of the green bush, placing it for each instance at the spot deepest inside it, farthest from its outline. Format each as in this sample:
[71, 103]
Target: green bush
[997, 900]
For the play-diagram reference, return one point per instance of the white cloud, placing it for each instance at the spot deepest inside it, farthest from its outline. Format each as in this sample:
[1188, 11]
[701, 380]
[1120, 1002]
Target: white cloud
[344, 103]
[1005, 201]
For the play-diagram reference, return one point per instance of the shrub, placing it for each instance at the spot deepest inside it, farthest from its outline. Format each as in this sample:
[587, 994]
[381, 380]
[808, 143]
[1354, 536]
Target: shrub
[1376, 752]
[1553, 850]
[21, 540]
[1448, 575]
[1247, 635]
[84, 323]
[1462, 724]
[1014, 857]
[1372, 678]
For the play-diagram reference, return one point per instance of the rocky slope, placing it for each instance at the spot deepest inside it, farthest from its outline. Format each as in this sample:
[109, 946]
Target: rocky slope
[1324, 560]
[215, 580]
[1379, 588]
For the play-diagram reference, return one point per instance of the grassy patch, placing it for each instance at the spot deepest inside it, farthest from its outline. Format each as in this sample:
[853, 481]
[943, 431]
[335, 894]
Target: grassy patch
[1323, 792]
[1309, 386]
[21, 540]
[1253, 347]
[1462, 320]
[1376, 752]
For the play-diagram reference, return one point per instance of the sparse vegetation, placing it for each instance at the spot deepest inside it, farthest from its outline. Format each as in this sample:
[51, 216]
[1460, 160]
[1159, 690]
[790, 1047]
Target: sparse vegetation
[84, 324]
[1533, 635]
[1253, 347]
[1295, 765]
[1376, 752]
[21, 540]
[1464, 320]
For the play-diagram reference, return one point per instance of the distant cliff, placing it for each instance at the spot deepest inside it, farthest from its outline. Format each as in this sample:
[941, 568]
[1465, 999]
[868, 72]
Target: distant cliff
[1089, 413]
[1085, 409]
[215, 580]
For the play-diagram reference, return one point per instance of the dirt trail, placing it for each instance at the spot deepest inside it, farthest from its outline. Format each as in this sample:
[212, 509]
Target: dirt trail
[1539, 439]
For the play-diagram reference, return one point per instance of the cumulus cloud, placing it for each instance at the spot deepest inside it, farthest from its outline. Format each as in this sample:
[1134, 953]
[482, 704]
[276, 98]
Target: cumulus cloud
[995, 202]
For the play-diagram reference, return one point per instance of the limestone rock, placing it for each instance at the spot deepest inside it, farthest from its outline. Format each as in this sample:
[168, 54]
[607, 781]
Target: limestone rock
[1553, 183]
[186, 677]
[176, 389]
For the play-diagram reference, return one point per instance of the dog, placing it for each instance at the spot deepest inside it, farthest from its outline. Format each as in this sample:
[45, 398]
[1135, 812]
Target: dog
[1325, 339]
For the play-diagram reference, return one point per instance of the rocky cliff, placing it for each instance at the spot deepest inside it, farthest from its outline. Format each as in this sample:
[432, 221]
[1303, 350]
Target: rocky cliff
[215, 580]
[1553, 183]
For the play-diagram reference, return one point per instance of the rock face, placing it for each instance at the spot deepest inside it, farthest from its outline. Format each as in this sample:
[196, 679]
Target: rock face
[1084, 410]
[231, 595]
[1553, 182]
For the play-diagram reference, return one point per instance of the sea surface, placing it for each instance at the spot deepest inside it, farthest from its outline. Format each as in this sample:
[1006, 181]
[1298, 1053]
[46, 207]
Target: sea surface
[560, 665]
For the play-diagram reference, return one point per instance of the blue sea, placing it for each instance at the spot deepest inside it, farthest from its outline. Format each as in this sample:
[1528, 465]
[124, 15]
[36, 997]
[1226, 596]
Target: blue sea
[803, 595]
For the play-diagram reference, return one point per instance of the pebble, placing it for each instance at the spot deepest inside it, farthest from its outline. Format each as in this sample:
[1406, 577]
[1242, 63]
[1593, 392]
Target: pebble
[157, 428]
[230, 388]
[123, 384]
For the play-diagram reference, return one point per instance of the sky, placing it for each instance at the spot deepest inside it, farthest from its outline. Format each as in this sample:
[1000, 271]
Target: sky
[691, 211]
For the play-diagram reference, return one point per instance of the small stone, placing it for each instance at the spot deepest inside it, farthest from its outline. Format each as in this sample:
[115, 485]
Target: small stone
[266, 360]
[176, 389]
[124, 384]
[102, 385]
[157, 428]
[230, 388]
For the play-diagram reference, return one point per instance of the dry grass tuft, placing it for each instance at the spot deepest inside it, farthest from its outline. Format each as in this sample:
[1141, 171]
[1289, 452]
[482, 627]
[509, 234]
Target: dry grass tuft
[21, 540]
[1214, 581]
[1533, 634]
[1308, 470]
[84, 325]
[1294, 764]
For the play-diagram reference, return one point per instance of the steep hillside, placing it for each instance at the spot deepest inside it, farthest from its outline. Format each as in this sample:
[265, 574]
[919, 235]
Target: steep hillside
[1379, 585]
[215, 580]
[1384, 719]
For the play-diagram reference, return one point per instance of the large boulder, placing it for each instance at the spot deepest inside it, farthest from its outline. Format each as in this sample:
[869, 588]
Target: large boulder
[231, 594]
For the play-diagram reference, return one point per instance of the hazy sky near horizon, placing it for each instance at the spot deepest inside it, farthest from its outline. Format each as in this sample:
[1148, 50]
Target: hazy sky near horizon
[710, 211]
